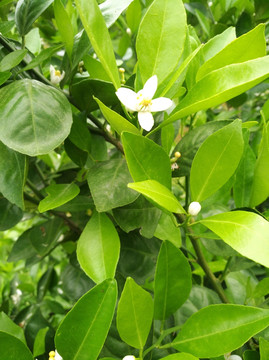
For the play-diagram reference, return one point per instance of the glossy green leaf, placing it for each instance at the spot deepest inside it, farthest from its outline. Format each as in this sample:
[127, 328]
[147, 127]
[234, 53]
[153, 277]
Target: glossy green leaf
[44, 55]
[221, 85]
[95, 68]
[111, 10]
[27, 11]
[173, 281]
[98, 248]
[161, 38]
[95, 26]
[216, 161]
[80, 134]
[146, 160]
[118, 122]
[12, 59]
[10, 214]
[167, 229]
[167, 137]
[260, 188]
[264, 349]
[8, 326]
[83, 331]
[13, 349]
[13, 176]
[180, 356]
[251, 355]
[262, 288]
[4, 76]
[58, 194]
[135, 314]
[238, 229]
[108, 184]
[64, 25]
[35, 118]
[40, 341]
[140, 214]
[219, 329]
[191, 142]
[247, 47]
[159, 194]
[133, 15]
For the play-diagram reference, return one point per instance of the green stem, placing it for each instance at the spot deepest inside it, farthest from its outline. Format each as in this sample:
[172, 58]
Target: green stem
[34, 189]
[141, 353]
[187, 189]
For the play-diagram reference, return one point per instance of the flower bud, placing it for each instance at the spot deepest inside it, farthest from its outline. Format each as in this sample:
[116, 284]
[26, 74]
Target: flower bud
[234, 357]
[129, 31]
[194, 209]
[129, 357]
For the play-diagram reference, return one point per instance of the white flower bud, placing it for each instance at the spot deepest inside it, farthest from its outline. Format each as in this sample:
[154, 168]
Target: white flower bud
[234, 357]
[129, 31]
[194, 208]
[129, 357]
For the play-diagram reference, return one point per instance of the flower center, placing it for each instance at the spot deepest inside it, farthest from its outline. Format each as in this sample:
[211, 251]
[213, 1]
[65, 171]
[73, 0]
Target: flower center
[57, 73]
[145, 103]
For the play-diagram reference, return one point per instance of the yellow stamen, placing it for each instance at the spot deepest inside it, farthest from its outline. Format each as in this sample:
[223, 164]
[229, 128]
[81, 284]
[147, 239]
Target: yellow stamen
[52, 354]
[177, 154]
[146, 102]
[57, 73]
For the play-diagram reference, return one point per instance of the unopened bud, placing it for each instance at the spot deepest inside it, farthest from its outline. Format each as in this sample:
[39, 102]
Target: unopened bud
[129, 357]
[177, 154]
[194, 209]
[129, 31]
[234, 357]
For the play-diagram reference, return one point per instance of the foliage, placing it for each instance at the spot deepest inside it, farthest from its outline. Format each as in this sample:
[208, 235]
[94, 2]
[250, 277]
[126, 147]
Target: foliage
[105, 250]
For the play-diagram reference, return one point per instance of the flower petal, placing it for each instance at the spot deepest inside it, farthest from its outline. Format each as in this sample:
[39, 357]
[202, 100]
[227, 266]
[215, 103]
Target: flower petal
[146, 120]
[128, 97]
[150, 87]
[161, 104]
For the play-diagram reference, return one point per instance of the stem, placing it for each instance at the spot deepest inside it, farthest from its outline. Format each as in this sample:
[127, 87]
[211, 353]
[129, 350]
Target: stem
[187, 188]
[34, 189]
[141, 353]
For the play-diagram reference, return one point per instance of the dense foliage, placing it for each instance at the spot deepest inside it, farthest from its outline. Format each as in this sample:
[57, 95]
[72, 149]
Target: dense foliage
[134, 179]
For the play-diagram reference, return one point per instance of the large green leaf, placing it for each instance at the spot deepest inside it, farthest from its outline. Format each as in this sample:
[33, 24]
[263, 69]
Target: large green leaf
[13, 349]
[82, 333]
[12, 177]
[135, 313]
[264, 349]
[159, 194]
[34, 118]
[146, 160]
[180, 356]
[161, 38]
[139, 214]
[221, 85]
[216, 161]
[118, 122]
[58, 194]
[247, 47]
[172, 283]
[10, 214]
[246, 232]
[98, 248]
[260, 188]
[111, 10]
[8, 326]
[108, 184]
[27, 11]
[12, 59]
[4, 76]
[219, 329]
[95, 26]
[64, 25]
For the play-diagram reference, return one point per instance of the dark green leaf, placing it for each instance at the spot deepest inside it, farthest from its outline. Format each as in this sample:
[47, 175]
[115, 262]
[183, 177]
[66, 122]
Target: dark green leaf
[10, 214]
[8, 326]
[13, 349]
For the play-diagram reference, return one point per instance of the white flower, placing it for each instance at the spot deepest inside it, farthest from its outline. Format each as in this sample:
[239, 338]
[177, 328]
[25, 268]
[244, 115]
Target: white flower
[194, 208]
[142, 102]
[55, 75]
[16, 297]
[129, 357]
[232, 357]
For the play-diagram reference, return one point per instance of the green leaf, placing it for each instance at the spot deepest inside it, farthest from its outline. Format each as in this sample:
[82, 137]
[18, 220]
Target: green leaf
[219, 329]
[146, 160]
[135, 314]
[167, 137]
[260, 187]
[191, 142]
[161, 38]
[159, 194]
[264, 349]
[133, 15]
[111, 10]
[262, 288]
[82, 333]
[27, 11]
[40, 341]
[247, 47]
[173, 281]
[98, 34]
[180, 356]
[9, 327]
[44, 55]
[118, 122]
[95, 68]
[80, 134]
[238, 229]
[4, 76]
[98, 248]
[12, 59]
[13, 349]
[58, 194]
[216, 161]
[13, 176]
[167, 230]
[139, 214]
[10, 214]
[34, 118]
[64, 25]
[108, 184]
[221, 85]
